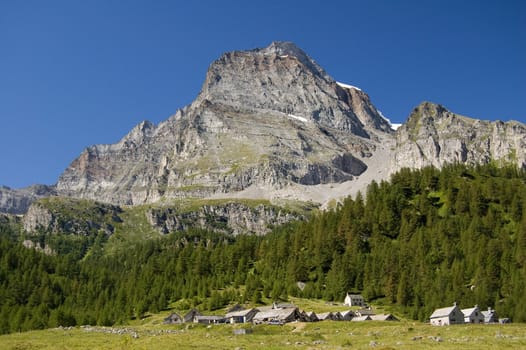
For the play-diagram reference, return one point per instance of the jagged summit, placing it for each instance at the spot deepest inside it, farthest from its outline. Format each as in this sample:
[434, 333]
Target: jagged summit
[282, 79]
[429, 108]
[285, 49]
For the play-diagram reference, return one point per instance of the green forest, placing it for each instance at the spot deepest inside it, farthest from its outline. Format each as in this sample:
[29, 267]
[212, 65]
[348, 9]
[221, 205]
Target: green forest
[422, 240]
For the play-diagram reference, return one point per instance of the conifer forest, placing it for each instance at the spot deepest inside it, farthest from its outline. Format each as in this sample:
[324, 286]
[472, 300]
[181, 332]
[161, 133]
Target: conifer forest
[422, 240]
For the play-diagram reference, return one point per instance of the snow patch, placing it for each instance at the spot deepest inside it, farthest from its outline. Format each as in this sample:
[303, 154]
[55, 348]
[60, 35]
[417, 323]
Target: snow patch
[302, 119]
[347, 86]
[394, 126]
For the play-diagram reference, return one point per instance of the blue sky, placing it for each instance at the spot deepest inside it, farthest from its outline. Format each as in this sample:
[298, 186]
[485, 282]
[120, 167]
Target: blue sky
[76, 73]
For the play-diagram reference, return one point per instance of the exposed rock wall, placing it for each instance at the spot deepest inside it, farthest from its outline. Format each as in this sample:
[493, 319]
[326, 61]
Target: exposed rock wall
[233, 218]
[69, 216]
[435, 136]
[84, 217]
[18, 201]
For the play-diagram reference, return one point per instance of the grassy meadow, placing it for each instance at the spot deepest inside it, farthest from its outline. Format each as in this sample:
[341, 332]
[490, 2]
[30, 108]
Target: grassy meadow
[319, 335]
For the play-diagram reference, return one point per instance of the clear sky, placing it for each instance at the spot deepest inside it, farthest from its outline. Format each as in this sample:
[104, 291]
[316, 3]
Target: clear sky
[75, 73]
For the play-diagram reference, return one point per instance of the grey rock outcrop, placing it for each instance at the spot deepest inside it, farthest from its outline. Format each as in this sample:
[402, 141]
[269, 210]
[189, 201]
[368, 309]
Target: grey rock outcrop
[71, 216]
[86, 217]
[231, 218]
[435, 136]
[17, 201]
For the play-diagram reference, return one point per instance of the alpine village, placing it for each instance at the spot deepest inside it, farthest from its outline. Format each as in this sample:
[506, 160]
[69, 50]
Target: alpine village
[280, 202]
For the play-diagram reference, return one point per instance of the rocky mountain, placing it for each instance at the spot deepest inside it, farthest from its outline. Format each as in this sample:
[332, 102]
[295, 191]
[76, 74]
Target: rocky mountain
[432, 135]
[269, 124]
[264, 120]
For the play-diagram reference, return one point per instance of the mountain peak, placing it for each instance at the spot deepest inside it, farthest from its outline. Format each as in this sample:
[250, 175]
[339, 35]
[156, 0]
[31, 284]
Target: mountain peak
[430, 108]
[433, 135]
[287, 49]
[283, 48]
[282, 79]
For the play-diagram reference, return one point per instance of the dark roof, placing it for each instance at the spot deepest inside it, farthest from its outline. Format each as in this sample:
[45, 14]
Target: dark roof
[189, 317]
[235, 308]
[173, 318]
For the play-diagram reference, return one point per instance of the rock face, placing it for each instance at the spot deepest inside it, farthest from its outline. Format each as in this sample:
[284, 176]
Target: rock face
[268, 117]
[86, 217]
[18, 201]
[232, 218]
[435, 136]
[65, 215]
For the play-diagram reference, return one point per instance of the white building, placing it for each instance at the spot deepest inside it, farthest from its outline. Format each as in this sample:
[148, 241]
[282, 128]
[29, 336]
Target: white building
[446, 316]
[473, 315]
[490, 316]
[354, 300]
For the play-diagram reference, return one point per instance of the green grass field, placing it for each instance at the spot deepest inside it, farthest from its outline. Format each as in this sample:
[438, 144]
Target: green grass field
[319, 335]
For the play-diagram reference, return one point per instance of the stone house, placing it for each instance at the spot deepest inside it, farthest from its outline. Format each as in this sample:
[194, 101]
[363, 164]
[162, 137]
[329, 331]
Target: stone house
[383, 317]
[209, 319]
[189, 317]
[446, 316]
[311, 316]
[364, 312]
[278, 315]
[473, 315]
[347, 315]
[361, 318]
[326, 316]
[173, 319]
[490, 316]
[241, 316]
[354, 300]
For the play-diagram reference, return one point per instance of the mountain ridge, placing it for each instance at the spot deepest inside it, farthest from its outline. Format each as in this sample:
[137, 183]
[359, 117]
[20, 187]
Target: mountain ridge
[270, 123]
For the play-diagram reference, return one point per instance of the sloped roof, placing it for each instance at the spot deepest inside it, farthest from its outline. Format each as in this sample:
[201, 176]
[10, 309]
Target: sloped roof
[355, 295]
[347, 312]
[190, 315]
[443, 312]
[173, 318]
[283, 306]
[312, 315]
[325, 316]
[470, 311]
[361, 318]
[488, 313]
[240, 313]
[337, 316]
[265, 308]
[279, 314]
[383, 317]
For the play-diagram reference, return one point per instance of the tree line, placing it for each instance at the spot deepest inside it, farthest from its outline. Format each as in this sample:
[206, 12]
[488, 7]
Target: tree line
[422, 240]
